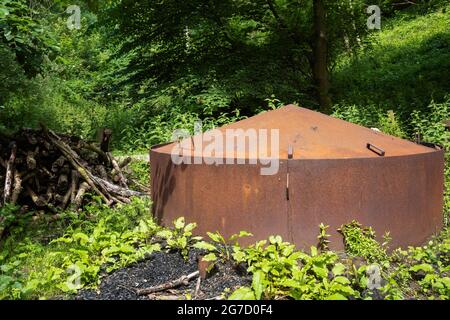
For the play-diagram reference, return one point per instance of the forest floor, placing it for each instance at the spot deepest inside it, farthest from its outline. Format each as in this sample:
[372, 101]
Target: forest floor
[160, 268]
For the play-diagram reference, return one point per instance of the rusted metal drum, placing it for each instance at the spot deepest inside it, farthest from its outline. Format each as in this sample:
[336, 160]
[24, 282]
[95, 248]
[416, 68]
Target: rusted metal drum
[329, 171]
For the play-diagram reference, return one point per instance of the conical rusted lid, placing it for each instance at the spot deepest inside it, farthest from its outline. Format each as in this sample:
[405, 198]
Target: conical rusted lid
[313, 135]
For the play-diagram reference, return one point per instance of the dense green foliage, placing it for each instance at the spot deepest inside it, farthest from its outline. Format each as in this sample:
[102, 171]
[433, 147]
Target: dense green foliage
[145, 68]
[180, 238]
[38, 261]
[210, 56]
[366, 271]
[76, 250]
[360, 242]
[405, 66]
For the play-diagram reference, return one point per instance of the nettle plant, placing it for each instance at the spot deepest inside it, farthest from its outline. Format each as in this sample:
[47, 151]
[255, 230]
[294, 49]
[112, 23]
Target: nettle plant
[430, 267]
[84, 245]
[420, 272]
[360, 241]
[87, 253]
[180, 237]
[323, 238]
[431, 125]
[280, 271]
[322, 277]
[219, 249]
[269, 264]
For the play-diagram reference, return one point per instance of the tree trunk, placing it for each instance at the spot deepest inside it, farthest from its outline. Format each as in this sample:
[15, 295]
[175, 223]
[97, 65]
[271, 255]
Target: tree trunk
[319, 61]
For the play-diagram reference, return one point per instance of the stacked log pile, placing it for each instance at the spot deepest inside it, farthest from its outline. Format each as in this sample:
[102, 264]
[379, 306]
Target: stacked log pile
[47, 171]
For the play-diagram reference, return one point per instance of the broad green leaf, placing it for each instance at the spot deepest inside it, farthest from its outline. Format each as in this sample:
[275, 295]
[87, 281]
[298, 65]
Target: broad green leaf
[82, 237]
[205, 246]
[425, 267]
[143, 227]
[239, 256]
[320, 271]
[313, 251]
[166, 234]
[4, 12]
[179, 223]
[338, 269]
[216, 237]
[341, 280]
[336, 296]
[243, 293]
[240, 235]
[210, 257]
[190, 227]
[445, 281]
[275, 239]
[258, 284]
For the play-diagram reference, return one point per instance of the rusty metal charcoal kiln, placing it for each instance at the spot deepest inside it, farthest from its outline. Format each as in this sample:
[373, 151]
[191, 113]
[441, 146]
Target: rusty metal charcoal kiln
[330, 171]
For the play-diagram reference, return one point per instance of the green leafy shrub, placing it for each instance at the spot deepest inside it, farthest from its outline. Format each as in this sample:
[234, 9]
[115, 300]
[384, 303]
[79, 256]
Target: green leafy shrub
[430, 125]
[104, 247]
[180, 237]
[390, 125]
[360, 242]
[323, 238]
[321, 277]
[431, 128]
[278, 271]
[140, 171]
[8, 216]
[368, 116]
[268, 264]
[95, 241]
[401, 68]
[219, 247]
[145, 130]
[426, 269]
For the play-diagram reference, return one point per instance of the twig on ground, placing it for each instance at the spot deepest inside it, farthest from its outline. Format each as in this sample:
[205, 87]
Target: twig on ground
[197, 287]
[184, 280]
[165, 297]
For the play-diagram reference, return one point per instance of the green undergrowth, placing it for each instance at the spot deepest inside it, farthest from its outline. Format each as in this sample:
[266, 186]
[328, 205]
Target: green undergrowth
[364, 271]
[402, 67]
[75, 250]
[78, 249]
[47, 257]
[140, 171]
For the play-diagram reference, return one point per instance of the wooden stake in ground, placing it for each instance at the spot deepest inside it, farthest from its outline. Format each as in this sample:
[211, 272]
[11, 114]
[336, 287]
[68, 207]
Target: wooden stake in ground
[197, 287]
[184, 280]
[17, 187]
[105, 139]
[75, 178]
[9, 174]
